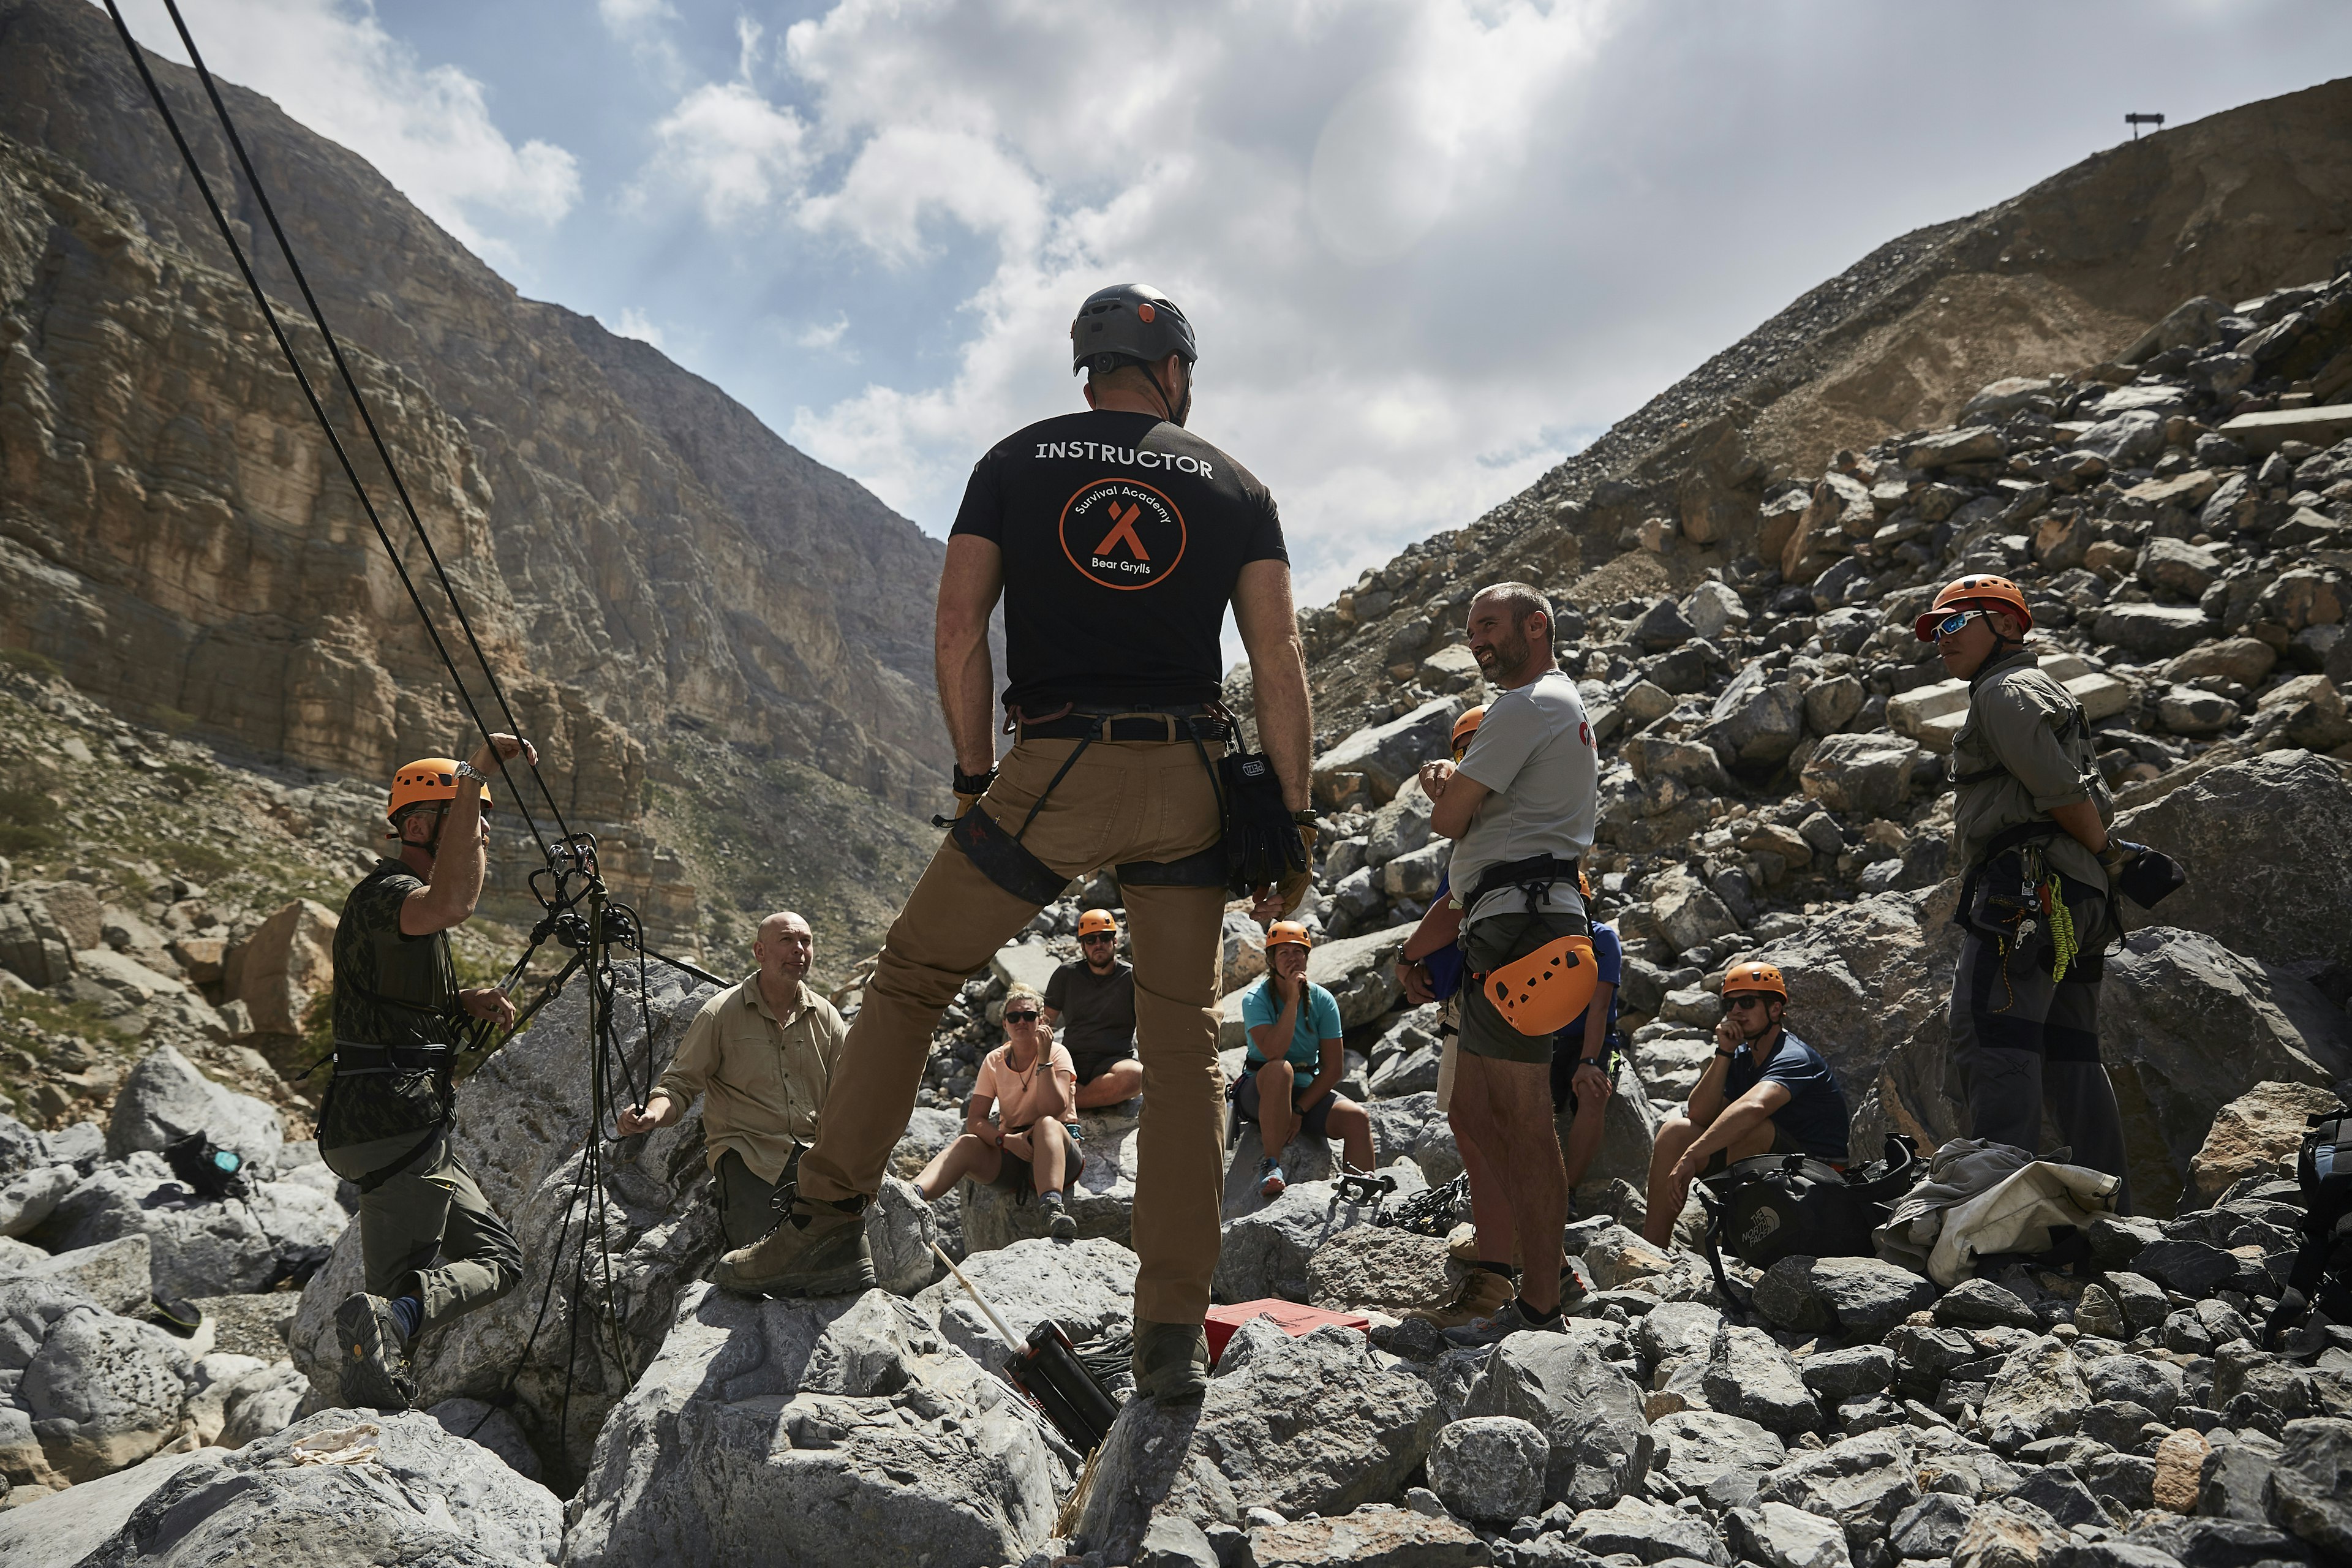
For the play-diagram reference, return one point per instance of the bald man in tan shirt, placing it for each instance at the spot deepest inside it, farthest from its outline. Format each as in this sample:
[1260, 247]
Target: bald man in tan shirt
[761, 1053]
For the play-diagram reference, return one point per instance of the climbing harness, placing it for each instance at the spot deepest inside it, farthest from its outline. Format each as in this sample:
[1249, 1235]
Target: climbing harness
[577, 911]
[1543, 991]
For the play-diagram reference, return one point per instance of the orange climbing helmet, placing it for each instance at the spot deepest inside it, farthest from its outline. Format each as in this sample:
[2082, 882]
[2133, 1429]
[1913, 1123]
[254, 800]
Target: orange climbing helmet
[1548, 990]
[425, 779]
[1288, 931]
[1095, 920]
[1465, 727]
[1976, 592]
[1754, 976]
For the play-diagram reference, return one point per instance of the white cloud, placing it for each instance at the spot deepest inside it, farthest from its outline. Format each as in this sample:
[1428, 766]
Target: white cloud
[827, 336]
[735, 154]
[633, 324]
[429, 129]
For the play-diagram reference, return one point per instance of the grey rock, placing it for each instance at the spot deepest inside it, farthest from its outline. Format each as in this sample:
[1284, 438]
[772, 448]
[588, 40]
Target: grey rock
[420, 1497]
[2056, 1492]
[1866, 1295]
[1838, 1375]
[2308, 1495]
[1588, 1409]
[87, 1392]
[843, 1430]
[60, 1529]
[31, 1196]
[1785, 1297]
[2009, 1534]
[199, 1247]
[1387, 754]
[2126, 1483]
[1410, 1127]
[2155, 1384]
[2152, 631]
[2038, 1393]
[1371, 1537]
[1784, 1537]
[1930, 1527]
[1713, 609]
[2123, 440]
[1266, 1253]
[1717, 1457]
[1300, 1424]
[489, 1427]
[1676, 1331]
[1864, 1483]
[2191, 1267]
[900, 1228]
[1489, 1467]
[1866, 773]
[1758, 720]
[263, 1404]
[1831, 704]
[165, 1099]
[1648, 1531]
[2176, 567]
[210, 1382]
[1379, 1268]
[116, 1275]
[1660, 627]
[1173, 1541]
[2261, 841]
[2215, 1542]
[2080, 1553]
[1981, 1303]
[1086, 1285]
[1749, 1376]
[1411, 1071]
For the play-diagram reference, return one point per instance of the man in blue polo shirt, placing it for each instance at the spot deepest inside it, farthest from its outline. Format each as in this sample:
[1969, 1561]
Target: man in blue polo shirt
[1582, 1074]
[1294, 1030]
[1765, 1092]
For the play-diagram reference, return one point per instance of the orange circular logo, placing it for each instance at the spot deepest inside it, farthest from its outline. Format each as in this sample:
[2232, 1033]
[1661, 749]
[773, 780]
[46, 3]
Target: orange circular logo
[1122, 533]
[1145, 311]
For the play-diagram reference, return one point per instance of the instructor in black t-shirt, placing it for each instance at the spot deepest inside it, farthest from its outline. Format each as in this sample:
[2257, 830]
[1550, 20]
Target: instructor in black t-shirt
[1116, 539]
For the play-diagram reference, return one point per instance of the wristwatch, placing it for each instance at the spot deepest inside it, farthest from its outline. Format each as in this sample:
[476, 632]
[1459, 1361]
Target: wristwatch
[1589, 1062]
[1724, 1055]
[469, 771]
[973, 783]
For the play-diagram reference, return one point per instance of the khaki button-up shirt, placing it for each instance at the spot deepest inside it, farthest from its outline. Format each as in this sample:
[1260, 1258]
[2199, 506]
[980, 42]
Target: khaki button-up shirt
[762, 1078]
[2023, 722]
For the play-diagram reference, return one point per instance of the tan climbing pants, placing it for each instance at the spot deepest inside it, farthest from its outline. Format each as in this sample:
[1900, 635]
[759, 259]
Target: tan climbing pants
[1123, 801]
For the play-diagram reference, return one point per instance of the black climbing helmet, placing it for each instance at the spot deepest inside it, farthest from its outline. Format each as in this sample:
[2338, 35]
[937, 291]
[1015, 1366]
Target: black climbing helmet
[1125, 322]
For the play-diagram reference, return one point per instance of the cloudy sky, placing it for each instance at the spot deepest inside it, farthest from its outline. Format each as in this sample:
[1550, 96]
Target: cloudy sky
[1432, 247]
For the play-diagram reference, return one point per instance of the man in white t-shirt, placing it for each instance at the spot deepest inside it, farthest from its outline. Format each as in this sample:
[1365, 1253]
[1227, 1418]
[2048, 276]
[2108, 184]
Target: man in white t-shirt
[1030, 1084]
[1519, 807]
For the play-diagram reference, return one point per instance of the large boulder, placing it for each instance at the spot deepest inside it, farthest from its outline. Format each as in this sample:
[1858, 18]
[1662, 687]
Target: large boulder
[344, 1491]
[521, 1120]
[1867, 773]
[1087, 1287]
[2169, 996]
[1757, 721]
[2153, 631]
[1267, 1250]
[1749, 1376]
[200, 1246]
[1489, 1467]
[60, 1529]
[1312, 1423]
[809, 1432]
[2258, 1133]
[284, 966]
[118, 1275]
[1377, 1267]
[2267, 857]
[1410, 1127]
[1387, 754]
[165, 1099]
[87, 1390]
[1716, 1458]
[1358, 970]
[1864, 1483]
[1585, 1406]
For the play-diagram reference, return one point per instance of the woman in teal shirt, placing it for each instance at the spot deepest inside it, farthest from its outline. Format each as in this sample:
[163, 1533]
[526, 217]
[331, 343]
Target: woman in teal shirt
[1287, 1013]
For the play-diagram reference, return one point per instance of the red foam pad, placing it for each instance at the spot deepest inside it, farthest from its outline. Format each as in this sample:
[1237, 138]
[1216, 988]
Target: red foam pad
[1290, 1317]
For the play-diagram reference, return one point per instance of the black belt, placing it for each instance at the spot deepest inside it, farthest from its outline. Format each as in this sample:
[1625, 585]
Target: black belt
[1535, 873]
[1129, 724]
[356, 1058]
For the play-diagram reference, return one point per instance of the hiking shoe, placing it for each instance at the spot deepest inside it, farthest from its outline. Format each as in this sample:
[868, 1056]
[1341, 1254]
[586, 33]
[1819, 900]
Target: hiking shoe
[1270, 1180]
[819, 1250]
[1509, 1318]
[1171, 1361]
[1483, 1292]
[1061, 1223]
[376, 1373]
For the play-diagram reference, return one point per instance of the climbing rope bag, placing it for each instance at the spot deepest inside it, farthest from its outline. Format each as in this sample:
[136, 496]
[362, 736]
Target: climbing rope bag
[1793, 1205]
[2320, 1279]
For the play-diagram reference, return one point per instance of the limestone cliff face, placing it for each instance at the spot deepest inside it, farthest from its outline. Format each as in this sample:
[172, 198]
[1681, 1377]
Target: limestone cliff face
[635, 550]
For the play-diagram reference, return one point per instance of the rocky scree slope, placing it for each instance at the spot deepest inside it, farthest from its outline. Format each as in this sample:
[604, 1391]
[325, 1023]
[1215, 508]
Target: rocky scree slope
[2066, 274]
[636, 550]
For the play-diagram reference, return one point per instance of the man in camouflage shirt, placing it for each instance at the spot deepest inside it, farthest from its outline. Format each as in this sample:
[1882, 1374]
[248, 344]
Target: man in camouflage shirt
[433, 1248]
[2031, 819]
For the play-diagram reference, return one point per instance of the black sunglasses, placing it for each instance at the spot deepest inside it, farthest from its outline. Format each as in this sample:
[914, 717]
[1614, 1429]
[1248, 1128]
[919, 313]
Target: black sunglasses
[1021, 1017]
[1736, 1003]
[1098, 936]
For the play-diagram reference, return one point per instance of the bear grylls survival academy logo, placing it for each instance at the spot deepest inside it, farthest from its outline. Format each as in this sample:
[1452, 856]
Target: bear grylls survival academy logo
[1122, 533]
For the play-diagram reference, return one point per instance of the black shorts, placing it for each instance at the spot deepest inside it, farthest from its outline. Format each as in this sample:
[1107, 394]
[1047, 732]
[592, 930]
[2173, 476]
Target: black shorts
[1567, 1052]
[1312, 1124]
[1720, 1160]
[1092, 1065]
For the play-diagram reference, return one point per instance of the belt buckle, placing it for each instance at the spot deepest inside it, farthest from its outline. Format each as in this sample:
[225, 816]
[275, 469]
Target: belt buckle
[1167, 719]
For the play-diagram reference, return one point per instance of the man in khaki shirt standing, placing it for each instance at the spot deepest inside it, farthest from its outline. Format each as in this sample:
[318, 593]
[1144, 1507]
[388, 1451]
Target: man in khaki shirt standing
[762, 1053]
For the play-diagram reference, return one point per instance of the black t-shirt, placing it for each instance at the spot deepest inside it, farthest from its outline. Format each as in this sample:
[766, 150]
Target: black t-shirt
[1098, 1011]
[1123, 536]
[1815, 1117]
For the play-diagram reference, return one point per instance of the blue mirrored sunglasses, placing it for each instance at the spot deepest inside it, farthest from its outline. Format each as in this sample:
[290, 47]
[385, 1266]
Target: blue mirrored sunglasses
[1953, 622]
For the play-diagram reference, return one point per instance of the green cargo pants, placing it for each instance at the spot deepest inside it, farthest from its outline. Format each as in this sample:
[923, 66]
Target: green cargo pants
[427, 1231]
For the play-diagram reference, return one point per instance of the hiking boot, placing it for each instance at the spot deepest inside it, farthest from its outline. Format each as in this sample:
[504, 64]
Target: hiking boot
[819, 1250]
[1060, 1222]
[1270, 1179]
[1510, 1318]
[1171, 1361]
[1482, 1293]
[376, 1373]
